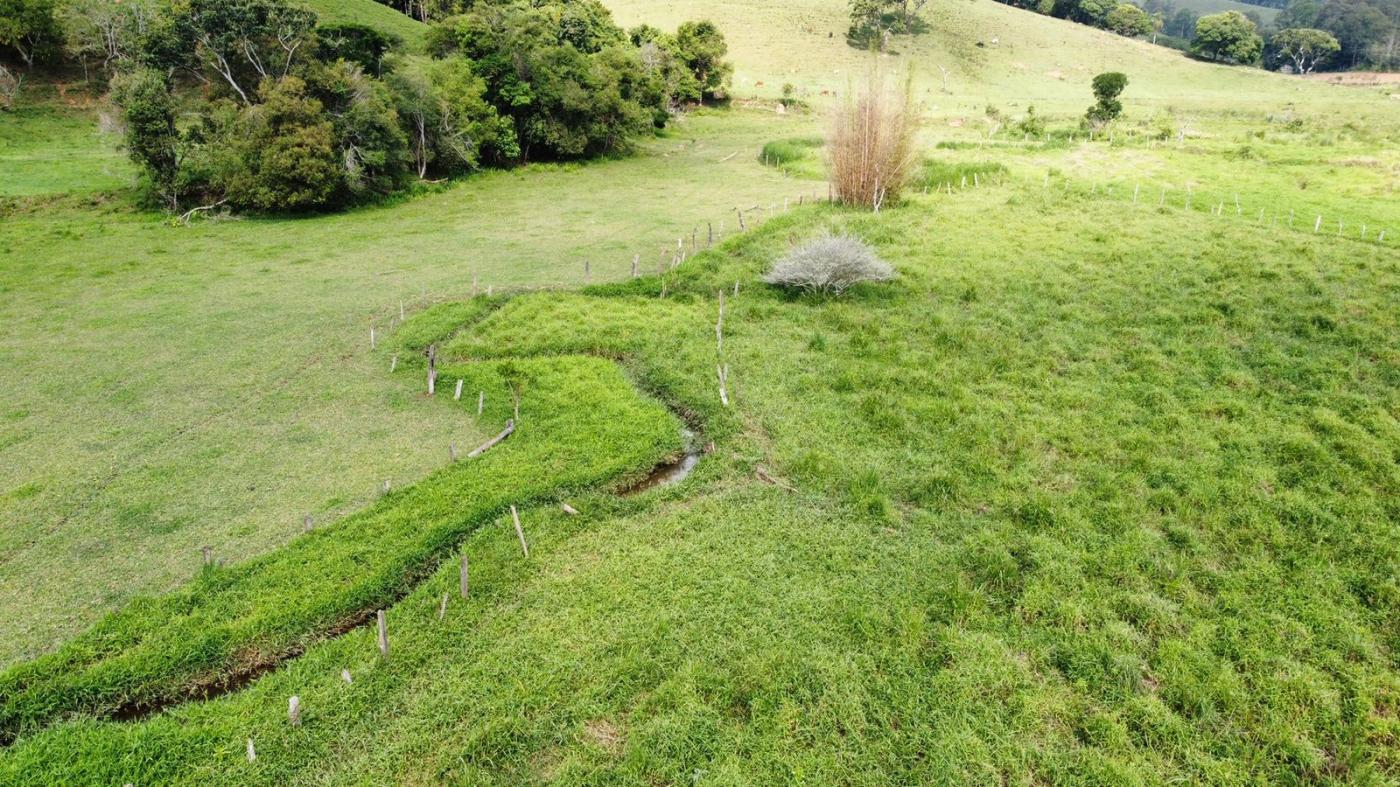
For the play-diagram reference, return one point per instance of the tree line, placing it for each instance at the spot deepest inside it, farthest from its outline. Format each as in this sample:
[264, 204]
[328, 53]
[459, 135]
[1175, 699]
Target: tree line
[254, 104]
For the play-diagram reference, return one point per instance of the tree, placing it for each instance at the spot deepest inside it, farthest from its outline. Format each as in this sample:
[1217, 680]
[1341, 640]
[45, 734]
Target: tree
[372, 148]
[874, 21]
[106, 31]
[702, 48]
[29, 28]
[1357, 25]
[1107, 87]
[152, 140]
[243, 41]
[1129, 20]
[279, 154]
[450, 124]
[359, 44]
[1183, 24]
[1306, 48]
[1299, 13]
[1228, 36]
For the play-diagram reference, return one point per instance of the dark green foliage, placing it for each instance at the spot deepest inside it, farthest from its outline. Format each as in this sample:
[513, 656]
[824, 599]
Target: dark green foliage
[874, 21]
[1227, 36]
[279, 154]
[1367, 31]
[514, 81]
[1107, 87]
[1128, 20]
[359, 44]
[28, 29]
[151, 139]
[702, 48]
[563, 73]
[449, 124]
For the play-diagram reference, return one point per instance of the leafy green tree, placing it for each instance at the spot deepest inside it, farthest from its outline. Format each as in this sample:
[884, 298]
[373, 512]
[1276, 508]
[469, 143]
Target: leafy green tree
[30, 29]
[1227, 36]
[372, 148]
[1358, 25]
[1107, 87]
[874, 21]
[1129, 20]
[701, 47]
[242, 42]
[278, 154]
[1299, 13]
[1182, 24]
[107, 32]
[152, 140]
[450, 125]
[564, 101]
[1305, 48]
[359, 44]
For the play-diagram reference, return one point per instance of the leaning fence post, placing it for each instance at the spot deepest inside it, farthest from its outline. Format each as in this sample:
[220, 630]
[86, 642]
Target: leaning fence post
[719, 326]
[442, 608]
[252, 753]
[393, 363]
[519, 531]
[371, 346]
[723, 391]
[480, 401]
[294, 711]
[452, 452]
[1317, 225]
[457, 395]
[383, 633]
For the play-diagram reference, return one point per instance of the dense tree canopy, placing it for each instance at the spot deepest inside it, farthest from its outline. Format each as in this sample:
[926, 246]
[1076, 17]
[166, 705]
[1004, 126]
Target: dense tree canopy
[1227, 36]
[300, 117]
[1303, 48]
[1129, 20]
[29, 29]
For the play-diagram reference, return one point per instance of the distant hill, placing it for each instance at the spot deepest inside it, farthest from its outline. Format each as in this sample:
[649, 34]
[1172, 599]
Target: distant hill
[1216, 6]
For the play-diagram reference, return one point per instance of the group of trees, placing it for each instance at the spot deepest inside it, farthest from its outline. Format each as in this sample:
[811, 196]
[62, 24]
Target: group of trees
[292, 115]
[1308, 34]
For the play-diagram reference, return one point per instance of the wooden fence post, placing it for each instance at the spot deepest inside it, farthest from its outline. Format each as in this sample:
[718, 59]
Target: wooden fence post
[636, 258]
[294, 710]
[306, 524]
[371, 340]
[252, 753]
[457, 395]
[442, 608]
[383, 633]
[208, 555]
[480, 401]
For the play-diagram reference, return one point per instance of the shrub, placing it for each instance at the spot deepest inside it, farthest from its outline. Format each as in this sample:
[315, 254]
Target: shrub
[830, 264]
[1107, 87]
[871, 144]
[10, 83]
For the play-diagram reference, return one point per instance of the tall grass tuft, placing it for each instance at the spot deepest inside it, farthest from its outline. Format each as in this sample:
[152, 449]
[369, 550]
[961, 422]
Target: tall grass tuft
[870, 144]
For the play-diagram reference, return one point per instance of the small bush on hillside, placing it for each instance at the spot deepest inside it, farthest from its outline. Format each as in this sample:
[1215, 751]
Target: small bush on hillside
[830, 265]
[1107, 87]
[871, 144]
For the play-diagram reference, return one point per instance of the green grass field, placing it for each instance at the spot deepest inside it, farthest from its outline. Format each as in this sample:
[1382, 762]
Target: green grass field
[1103, 488]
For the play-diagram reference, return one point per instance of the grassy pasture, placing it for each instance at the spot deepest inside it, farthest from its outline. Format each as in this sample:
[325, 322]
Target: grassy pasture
[1157, 482]
[210, 385]
[1125, 466]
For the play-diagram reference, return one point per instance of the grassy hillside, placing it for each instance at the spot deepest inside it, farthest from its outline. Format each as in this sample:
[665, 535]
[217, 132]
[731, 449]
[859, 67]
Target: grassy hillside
[994, 53]
[369, 12]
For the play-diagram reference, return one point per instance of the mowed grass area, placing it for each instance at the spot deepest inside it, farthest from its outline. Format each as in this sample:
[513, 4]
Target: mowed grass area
[54, 145]
[212, 384]
[1068, 504]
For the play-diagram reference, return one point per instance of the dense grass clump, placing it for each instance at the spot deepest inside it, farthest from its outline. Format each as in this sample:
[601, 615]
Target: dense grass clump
[939, 174]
